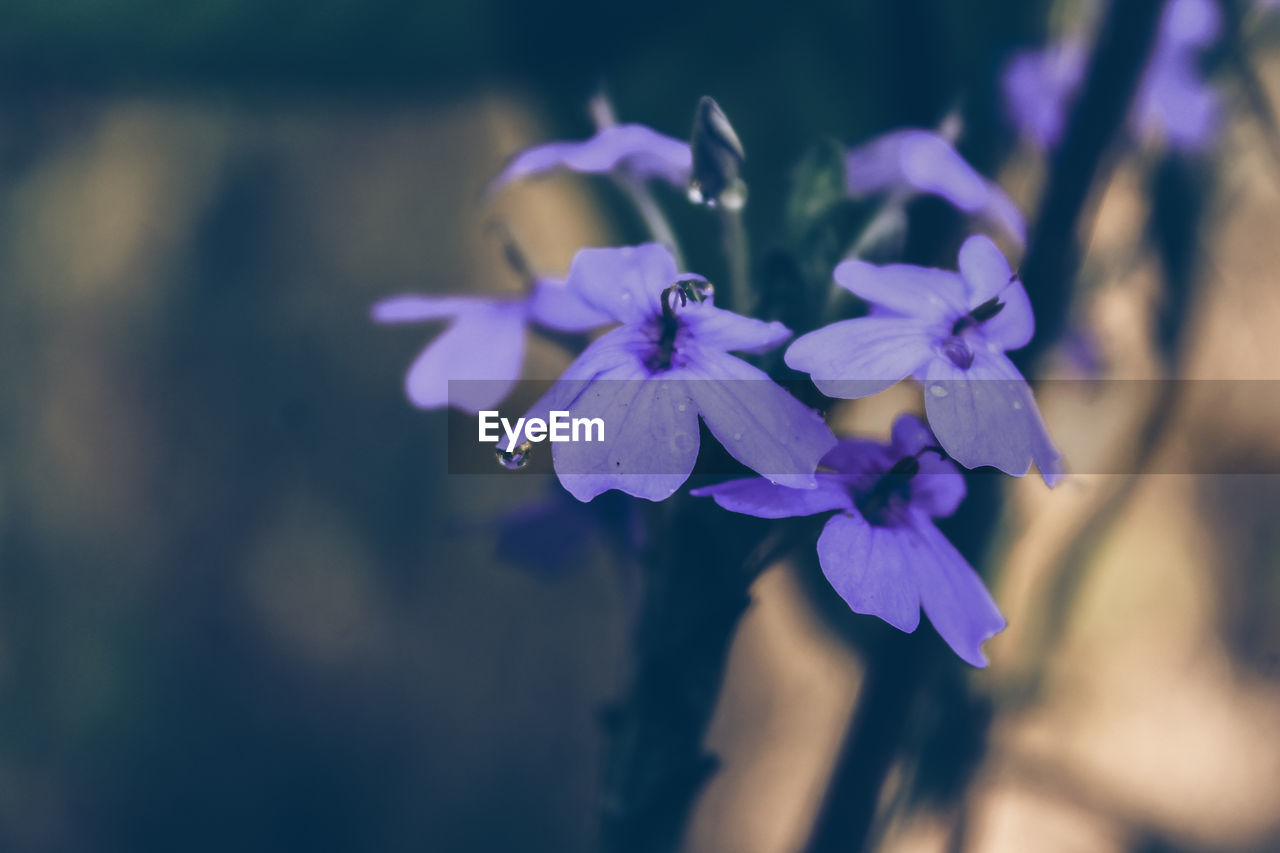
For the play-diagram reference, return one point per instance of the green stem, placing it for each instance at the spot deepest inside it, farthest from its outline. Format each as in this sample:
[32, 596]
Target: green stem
[734, 234]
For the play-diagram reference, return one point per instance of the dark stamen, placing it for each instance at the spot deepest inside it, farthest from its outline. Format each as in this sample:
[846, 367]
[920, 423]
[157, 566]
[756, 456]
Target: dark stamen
[981, 314]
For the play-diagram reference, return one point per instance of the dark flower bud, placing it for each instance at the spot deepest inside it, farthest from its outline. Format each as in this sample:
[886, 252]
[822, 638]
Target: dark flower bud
[716, 177]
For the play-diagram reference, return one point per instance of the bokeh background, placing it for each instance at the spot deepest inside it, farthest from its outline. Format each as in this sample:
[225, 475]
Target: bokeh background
[244, 607]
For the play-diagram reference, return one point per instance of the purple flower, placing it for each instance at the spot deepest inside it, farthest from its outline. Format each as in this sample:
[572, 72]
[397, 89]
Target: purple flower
[1173, 103]
[668, 363]
[950, 331]
[633, 149]
[913, 162]
[881, 551]
[484, 340]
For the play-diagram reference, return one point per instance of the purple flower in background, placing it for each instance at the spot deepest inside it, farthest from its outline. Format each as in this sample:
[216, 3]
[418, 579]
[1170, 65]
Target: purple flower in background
[913, 162]
[1173, 104]
[634, 149]
[950, 331]
[881, 551]
[668, 363]
[484, 340]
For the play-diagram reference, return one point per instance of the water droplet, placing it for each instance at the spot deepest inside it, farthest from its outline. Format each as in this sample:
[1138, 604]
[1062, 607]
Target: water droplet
[737, 436]
[1017, 405]
[681, 407]
[515, 459]
[937, 391]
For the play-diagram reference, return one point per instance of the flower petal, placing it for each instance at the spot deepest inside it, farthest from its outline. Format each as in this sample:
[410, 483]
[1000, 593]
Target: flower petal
[1015, 325]
[861, 357]
[641, 150]
[932, 165]
[984, 270]
[554, 305]
[953, 595]
[650, 442]
[715, 328]
[484, 342]
[413, 308]
[986, 415]
[930, 294]
[871, 570]
[757, 496]
[757, 421]
[625, 283]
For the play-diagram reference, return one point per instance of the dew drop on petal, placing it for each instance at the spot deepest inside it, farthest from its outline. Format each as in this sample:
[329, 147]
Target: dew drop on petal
[1017, 404]
[937, 391]
[737, 436]
[517, 458]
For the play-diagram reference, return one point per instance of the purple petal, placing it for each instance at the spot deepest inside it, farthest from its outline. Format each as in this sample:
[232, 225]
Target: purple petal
[650, 442]
[954, 597]
[419, 309]
[984, 270]
[932, 165]
[757, 496]
[625, 283]
[918, 160]
[938, 487]
[757, 421]
[871, 570]
[714, 328]
[857, 358]
[987, 276]
[1015, 325]
[986, 415]
[1039, 86]
[484, 342]
[643, 152]
[930, 294]
[554, 305]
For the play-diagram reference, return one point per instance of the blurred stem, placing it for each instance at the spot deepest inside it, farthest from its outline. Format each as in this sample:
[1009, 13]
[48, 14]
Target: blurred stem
[698, 568]
[654, 219]
[1123, 43]
[737, 256]
[877, 229]
[636, 191]
[1080, 163]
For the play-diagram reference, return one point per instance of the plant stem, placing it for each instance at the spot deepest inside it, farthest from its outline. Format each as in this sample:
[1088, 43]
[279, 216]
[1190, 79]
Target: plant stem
[736, 251]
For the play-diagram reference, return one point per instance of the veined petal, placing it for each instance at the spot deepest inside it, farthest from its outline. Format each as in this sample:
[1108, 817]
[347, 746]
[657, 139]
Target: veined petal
[485, 342]
[757, 496]
[954, 597]
[986, 415]
[715, 328]
[639, 149]
[871, 569]
[930, 294]
[757, 421]
[554, 305]
[857, 358]
[650, 442]
[625, 283]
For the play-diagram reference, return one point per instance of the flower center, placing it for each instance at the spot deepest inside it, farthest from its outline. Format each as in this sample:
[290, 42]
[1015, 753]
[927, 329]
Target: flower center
[669, 323]
[955, 347]
[882, 504]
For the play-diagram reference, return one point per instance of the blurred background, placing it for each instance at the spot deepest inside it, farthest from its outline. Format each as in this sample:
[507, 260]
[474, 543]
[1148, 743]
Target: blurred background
[243, 606]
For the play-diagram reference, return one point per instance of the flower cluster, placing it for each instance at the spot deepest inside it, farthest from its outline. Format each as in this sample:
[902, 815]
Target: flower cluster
[667, 361]
[1174, 104]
